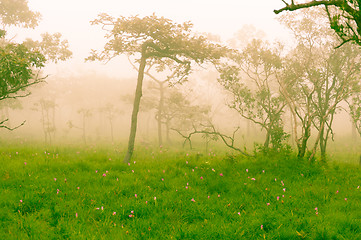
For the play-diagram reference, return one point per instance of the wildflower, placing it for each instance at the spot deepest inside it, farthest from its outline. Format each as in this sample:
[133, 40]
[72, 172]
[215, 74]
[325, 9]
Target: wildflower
[208, 197]
[106, 171]
[132, 212]
[163, 171]
[239, 213]
[284, 189]
[146, 202]
[104, 175]
[25, 163]
[21, 201]
[275, 179]
[316, 208]
[282, 183]
[155, 198]
[263, 171]
[358, 187]
[213, 170]
[57, 191]
[201, 178]
[336, 191]
[192, 170]
[65, 180]
[134, 162]
[78, 188]
[96, 171]
[219, 195]
[76, 215]
[128, 164]
[162, 179]
[193, 200]
[261, 226]
[132, 171]
[221, 174]
[186, 162]
[136, 195]
[54, 179]
[253, 179]
[102, 208]
[268, 204]
[131, 215]
[114, 213]
[345, 199]
[247, 170]
[278, 198]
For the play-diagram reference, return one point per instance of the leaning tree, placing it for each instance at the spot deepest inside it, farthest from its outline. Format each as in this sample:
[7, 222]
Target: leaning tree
[344, 16]
[153, 39]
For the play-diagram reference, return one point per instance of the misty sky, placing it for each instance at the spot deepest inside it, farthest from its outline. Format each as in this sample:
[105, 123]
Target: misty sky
[72, 17]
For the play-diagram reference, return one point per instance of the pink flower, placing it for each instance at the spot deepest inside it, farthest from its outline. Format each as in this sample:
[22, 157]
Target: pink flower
[102, 208]
[253, 179]
[114, 213]
[186, 162]
[131, 215]
[132, 212]
[221, 174]
[21, 200]
[155, 198]
[193, 200]
[25, 163]
[128, 164]
[316, 208]
[54, 179]
[261, 226]
[65, 180]
[146, 202]
[136, 195]
[278, 198]
[268, 204]
[201, 178]
[96, 171]
[247, 170]
[284, 189]
[345, 199]
[162, 179]
[78, 188]
[76, 215]
[219, 195]
[282, 183]
[104, 175]
[239, 213]
[208, 197]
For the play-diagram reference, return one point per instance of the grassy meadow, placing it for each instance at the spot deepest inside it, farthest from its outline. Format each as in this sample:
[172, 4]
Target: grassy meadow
[87, 193]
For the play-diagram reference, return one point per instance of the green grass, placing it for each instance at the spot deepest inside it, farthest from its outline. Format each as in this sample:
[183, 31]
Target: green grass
[173, 195]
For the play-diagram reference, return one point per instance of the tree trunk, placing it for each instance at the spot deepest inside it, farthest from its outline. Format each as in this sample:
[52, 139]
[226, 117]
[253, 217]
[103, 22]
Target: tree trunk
[160, 112]
[134, 120]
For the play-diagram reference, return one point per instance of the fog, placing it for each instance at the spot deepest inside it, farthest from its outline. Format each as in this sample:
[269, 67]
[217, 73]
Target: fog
[76, 87]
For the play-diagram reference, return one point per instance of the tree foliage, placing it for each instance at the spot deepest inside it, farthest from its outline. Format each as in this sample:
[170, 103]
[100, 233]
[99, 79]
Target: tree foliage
[344, 16]
[20, 63]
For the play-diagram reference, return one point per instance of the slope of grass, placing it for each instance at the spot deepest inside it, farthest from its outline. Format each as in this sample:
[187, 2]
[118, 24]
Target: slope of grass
[86, 193]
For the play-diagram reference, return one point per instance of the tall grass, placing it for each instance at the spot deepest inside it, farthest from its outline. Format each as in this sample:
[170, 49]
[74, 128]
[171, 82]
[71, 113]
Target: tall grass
[87, 193]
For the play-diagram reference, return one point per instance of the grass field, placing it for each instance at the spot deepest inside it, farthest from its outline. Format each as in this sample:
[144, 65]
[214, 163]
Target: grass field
[87, 193]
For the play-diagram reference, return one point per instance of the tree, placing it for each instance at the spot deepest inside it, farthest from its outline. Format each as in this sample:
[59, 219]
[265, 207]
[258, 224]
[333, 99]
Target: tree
[250, 79]
[316, 78]
[153, 39]
[20, 63]
[344, 16]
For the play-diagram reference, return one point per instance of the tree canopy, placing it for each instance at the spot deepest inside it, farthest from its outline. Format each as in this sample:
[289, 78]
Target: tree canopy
[344, 16]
